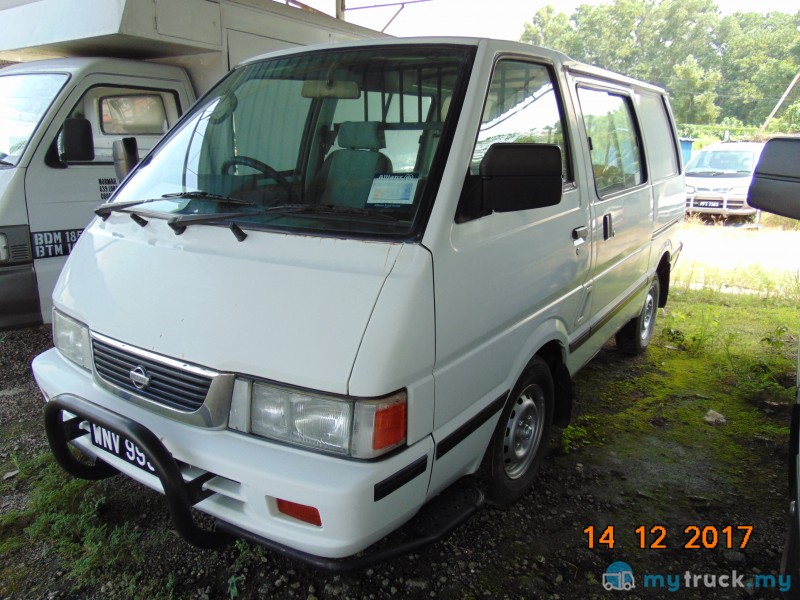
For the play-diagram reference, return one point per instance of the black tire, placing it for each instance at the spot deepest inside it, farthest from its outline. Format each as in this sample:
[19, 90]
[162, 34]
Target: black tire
[520, 439]
[635, 336]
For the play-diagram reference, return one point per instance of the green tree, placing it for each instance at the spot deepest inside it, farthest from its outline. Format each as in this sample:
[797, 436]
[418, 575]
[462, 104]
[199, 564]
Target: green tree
[714, 67]
[789, 122]
[695, 93]
[760, 58]
[641, 38]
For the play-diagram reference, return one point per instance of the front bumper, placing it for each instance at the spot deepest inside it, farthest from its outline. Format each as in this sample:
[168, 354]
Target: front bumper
[238, 478]
[719, 205]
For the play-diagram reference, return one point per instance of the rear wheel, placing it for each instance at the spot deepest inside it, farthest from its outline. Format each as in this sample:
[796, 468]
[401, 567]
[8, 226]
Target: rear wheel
[635, 336]
[520, 439]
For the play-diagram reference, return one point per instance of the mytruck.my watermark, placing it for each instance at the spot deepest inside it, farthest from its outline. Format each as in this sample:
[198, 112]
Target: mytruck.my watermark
[619, 576]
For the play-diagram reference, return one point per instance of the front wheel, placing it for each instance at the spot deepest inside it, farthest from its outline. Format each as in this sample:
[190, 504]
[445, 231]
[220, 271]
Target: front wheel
[635, 336]
[520, 439]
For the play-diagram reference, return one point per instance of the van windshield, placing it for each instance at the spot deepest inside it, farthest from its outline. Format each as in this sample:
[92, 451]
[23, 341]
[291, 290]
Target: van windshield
[332, 142]
[727, 163]
[24, 98]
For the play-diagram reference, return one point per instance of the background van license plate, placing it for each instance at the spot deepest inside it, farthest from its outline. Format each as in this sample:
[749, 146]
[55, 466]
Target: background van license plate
[120, 446]
[709, 204]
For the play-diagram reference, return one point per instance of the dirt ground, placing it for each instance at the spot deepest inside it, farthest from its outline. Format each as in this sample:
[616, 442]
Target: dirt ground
[646, 479]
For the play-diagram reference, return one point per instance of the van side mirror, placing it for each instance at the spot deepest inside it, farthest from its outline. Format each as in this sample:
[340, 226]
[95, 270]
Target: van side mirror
[77, 140]
[775, 186]
[521, 177]
[126, 154]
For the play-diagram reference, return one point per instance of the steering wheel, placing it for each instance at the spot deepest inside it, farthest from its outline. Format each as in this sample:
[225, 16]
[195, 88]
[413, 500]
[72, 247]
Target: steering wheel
[262, 167]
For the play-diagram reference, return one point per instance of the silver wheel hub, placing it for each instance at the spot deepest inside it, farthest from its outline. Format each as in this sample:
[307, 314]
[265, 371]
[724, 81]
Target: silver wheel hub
[648, 317]
[524, 431]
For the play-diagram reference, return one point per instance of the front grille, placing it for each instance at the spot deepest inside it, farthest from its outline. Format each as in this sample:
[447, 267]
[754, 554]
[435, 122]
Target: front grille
[169, 385]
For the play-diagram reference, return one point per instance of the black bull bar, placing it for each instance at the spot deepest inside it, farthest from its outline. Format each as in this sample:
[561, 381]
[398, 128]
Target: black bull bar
[181, 495]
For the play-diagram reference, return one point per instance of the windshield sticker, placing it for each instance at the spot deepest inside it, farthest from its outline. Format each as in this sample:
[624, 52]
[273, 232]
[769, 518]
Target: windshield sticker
[47, 244]
[391, 190]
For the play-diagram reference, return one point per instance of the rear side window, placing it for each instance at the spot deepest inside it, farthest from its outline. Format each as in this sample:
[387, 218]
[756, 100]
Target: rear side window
[613, 139]
[658, 132]
[134, 114]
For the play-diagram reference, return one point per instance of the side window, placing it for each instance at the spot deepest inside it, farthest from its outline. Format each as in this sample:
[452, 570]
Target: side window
[663, 149]
[613, 140]
[140, 114]
[110, 113]
[523, 106]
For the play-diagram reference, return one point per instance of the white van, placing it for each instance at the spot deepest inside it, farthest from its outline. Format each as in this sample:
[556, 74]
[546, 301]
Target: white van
[718, 177]
[353, 275]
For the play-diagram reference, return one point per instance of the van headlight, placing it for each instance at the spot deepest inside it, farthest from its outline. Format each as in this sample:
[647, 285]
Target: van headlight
[5, 253]
[357, 427]
[71, 338]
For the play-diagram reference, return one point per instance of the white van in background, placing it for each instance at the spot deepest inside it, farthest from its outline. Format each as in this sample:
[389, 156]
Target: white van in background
[60, 117]
[718, 177]
[355, 274]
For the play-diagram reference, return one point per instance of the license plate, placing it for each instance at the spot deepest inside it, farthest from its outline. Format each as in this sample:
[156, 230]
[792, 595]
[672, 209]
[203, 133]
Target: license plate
[708, 203]
[118, 445]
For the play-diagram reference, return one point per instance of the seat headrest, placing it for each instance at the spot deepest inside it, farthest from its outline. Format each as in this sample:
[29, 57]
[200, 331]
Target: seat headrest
[361, 135]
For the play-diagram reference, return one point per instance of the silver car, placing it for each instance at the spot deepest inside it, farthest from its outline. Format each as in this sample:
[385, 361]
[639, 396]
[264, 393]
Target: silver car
[718, 176]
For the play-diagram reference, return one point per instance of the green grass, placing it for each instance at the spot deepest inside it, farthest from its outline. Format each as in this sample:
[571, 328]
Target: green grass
[64, 515]
[769, 220]
[732, 353]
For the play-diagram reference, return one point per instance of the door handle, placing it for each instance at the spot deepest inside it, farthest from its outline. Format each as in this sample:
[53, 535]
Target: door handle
[580, 233]
[608, 226]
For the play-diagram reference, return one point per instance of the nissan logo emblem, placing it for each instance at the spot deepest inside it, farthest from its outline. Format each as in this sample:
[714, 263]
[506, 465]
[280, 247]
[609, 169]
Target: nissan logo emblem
[139, 378]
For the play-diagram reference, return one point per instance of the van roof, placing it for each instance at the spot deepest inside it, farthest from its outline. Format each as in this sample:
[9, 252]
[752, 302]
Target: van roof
[113, 66]
[733, 146]
[490, 45]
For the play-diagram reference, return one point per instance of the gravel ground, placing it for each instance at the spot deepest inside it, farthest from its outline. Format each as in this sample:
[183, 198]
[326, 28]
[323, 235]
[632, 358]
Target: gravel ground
[535, 549]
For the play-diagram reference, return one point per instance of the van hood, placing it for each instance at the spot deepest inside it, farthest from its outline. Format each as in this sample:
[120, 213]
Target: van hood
[288, 308]
[719, 183]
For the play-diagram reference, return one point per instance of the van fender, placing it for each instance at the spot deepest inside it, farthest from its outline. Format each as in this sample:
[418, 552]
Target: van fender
[549, 340]
[662, 264]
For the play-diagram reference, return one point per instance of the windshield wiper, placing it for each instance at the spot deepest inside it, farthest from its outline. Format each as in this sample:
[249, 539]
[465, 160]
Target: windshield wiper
[332, 209]
[5, 163]
[706, 173]
[198, 194]
[179, 223]
[106, 209]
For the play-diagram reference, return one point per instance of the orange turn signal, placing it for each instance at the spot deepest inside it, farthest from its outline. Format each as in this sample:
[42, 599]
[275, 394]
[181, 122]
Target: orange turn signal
[390, 426]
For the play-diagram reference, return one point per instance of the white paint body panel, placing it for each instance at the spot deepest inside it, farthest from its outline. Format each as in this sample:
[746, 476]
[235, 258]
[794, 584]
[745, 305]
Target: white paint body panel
[285, 308]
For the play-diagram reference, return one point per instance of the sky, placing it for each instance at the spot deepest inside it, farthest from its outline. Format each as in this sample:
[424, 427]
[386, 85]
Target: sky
[503, 19]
